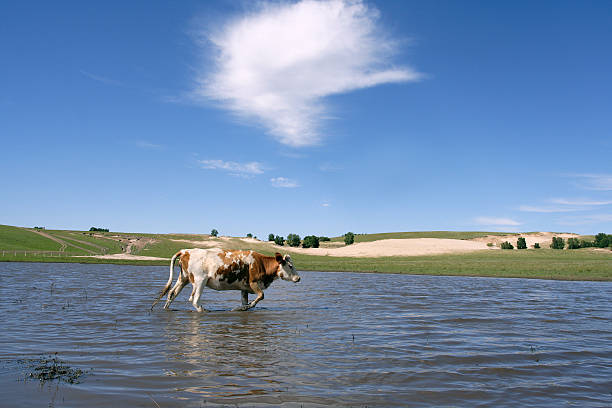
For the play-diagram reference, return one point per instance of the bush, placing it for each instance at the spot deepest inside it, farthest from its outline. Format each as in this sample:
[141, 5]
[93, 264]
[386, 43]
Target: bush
[602, 240]
[557, 243]
[573, 243]
[506, 245]
[249, 235]
[489, 244]
[279, 240]
[536, 245]
[270, 237]
[324, 239]
[293, 240]
[586, 244]
[521, 243]
[349, 238]
[99, 229]
[310, 241]
[214, 233]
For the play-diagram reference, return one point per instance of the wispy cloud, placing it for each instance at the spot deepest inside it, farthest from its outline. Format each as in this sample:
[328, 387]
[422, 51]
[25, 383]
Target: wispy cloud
[143, 144]
[276, 64]
[329, 167]
[538, 209]
[100, 78]
[283, 182]
[233, 168]
[325, 205]
[496, 221]
[586, 219]
[600, 182]
[579, 202]
[565, 205]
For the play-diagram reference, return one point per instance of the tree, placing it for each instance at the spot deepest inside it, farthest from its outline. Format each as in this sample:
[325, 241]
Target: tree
[249, 235]
[293, 240]
[214, 233]
[536, 245]
[557, 243]
[349, 238]
[602, 240]
[279, 240]
[270, 237]
[506, 245]
[521, 243]
[324, 239]
[311, 241]
[573, 243]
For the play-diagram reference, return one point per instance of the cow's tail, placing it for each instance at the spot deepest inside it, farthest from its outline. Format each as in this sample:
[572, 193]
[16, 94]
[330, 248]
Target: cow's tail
[169, 283]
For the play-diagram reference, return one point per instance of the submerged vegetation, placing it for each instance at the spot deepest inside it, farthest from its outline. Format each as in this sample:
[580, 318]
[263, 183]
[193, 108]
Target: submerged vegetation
[49, 368]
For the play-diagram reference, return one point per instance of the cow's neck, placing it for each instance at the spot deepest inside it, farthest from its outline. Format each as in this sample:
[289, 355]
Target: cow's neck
[270, 266]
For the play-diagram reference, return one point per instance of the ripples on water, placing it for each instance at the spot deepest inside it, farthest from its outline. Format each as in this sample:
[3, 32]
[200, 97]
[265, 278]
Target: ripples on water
[341, 339]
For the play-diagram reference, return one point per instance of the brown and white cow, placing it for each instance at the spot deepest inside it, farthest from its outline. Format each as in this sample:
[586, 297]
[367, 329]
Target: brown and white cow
[247, 271]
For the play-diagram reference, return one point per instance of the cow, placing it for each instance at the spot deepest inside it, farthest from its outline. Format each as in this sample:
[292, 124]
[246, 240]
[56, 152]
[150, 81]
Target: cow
[247, 271]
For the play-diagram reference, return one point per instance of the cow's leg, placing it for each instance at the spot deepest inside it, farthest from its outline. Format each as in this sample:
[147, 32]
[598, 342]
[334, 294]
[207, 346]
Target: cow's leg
[198, 286]
[260, 295]
[192, 292]
[245, 298]
[180, 284]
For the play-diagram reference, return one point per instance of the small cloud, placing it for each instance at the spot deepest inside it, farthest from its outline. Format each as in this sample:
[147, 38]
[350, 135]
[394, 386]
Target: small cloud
[292, 155]
[327, 167]
[496, 221]
[233, 168]
[146, 145]
[283, 182]
[586, 219]
[325, 205]
[101, 79]
[579, 202]
[600, 182]
[536, 209]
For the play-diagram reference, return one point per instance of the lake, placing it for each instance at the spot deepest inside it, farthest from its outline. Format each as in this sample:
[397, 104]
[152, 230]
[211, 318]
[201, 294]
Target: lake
[334, 339]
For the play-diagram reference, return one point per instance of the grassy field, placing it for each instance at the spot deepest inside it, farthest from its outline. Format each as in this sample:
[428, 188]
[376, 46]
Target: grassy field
[583, 264]
[19, 239]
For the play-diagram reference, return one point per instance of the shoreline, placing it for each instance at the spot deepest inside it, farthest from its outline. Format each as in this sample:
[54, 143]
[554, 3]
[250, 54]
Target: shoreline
[546, 264]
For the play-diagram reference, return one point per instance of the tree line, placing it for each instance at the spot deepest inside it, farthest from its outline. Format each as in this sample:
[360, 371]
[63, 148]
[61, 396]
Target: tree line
[309, 241]
[602, 240]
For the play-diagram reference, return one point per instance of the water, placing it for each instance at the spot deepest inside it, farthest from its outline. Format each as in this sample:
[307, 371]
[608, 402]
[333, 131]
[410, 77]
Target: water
[339, 339]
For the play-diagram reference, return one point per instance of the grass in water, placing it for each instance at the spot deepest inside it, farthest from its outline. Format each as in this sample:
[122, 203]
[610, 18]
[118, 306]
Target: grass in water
[49, 368]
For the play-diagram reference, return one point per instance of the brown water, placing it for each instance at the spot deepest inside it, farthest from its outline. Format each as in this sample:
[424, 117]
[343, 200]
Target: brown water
[339, 339]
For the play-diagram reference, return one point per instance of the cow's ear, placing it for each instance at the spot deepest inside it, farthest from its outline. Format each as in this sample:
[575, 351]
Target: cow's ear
[279, 257]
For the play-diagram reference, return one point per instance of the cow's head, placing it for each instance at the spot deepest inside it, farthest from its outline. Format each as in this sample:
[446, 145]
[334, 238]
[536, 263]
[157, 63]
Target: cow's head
[286, 271]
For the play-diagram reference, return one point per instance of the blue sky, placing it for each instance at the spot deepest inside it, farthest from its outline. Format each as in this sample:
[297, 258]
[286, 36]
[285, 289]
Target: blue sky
[307, 117]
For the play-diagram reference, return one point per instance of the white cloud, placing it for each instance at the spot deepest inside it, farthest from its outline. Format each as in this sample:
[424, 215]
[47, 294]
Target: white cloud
[496, 221]
[102, 79]
[276, 64]
[579, 202]
[536, 209]
[234, 168]
[586, 219]
[283, 182]
[147, 145]
[601, 182]
[325, 205]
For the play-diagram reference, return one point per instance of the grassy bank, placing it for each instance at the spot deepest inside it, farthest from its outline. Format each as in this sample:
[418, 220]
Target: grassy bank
[536, 264]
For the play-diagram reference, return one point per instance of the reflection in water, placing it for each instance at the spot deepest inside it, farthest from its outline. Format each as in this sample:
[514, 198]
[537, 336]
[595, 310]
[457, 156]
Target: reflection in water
[414, 340]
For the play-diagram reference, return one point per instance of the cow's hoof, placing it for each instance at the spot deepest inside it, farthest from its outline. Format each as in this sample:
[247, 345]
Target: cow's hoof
[240, 309]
